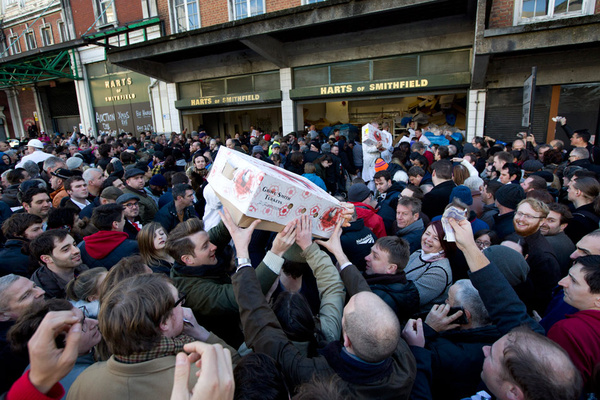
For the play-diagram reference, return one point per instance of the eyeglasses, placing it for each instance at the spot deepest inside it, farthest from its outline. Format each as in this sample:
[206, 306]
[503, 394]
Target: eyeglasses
[86, 314]
[528, 217]
[131, 205]
[181, 300]
[482, 243]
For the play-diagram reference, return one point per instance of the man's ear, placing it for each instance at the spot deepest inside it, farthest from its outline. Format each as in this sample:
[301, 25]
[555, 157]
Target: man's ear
[347, 343]
[514, 393]
[115, 225]
[45, 258]
[392, 268]
[187, 259]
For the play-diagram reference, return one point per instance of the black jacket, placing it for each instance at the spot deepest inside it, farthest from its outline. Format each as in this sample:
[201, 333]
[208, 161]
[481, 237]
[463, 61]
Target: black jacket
[167, 216]
[503, 224]
[437, 199]
[357, 241]
[401, 295]
[506, 311]
[52, 284]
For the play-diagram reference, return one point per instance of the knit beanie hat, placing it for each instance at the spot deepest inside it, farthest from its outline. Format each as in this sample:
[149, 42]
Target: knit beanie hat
[510, 262]
[510, 195]
[463, 193]
[380, 165]
[358, 192]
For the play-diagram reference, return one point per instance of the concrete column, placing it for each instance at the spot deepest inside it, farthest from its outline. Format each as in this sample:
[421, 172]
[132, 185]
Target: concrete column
[84, 98]
[287, 104]
[476, 113]
[15, 113]
[168, 97]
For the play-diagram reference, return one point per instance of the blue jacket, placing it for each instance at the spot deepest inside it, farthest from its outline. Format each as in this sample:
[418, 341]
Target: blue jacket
[316, 180]
[168, 218]
[13, 260]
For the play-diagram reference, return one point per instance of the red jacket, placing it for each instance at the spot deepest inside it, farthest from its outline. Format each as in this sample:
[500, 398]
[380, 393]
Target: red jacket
[370, 218]
[23, 389]
[579, 335]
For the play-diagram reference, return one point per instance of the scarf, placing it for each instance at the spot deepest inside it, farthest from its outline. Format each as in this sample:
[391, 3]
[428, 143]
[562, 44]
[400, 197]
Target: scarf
[432, 257]
[165, 347]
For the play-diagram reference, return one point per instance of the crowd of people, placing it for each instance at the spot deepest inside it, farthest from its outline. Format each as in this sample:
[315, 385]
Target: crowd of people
[462, 271]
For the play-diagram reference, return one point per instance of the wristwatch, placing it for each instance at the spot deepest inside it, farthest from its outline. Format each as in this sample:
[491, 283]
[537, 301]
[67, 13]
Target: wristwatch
[242, 261]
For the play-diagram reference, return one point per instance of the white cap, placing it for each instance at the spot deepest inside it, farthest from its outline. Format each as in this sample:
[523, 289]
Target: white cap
[35, 143]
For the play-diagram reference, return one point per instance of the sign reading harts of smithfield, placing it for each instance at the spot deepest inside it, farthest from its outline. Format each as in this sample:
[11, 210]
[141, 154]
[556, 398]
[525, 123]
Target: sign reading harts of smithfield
[229, 100]
[391, 86]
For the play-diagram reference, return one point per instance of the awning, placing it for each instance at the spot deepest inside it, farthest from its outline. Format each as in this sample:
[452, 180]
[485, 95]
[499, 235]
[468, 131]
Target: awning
[44, 64]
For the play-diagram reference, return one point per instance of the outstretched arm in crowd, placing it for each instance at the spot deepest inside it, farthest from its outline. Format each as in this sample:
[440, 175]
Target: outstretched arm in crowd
[329, 284]
[505, 308]
[212, 298]
[49, 364]
[352, 278]
[262, 330]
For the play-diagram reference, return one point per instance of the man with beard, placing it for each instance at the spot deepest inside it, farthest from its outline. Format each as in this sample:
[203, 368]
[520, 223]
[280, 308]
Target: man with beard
[544, 273]
[553, 229]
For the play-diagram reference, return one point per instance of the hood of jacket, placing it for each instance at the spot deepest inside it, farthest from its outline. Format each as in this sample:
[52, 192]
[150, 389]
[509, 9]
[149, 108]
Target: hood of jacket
[102, 243]
[417, 225]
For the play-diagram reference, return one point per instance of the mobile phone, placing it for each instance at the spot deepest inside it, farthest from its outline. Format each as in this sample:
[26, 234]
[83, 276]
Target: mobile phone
[462, 320]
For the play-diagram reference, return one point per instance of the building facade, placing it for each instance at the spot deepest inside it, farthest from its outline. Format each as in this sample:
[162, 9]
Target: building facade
[226, 65]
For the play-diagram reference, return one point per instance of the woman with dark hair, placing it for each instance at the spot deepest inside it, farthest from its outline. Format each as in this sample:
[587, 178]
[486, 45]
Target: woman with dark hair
[323, 170]
[296, 164]
[429, 267]
[485, 238]
[197, 173]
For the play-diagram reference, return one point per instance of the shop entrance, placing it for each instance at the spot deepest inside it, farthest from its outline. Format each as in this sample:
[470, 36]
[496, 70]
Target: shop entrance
[227, 122]
[442, 110]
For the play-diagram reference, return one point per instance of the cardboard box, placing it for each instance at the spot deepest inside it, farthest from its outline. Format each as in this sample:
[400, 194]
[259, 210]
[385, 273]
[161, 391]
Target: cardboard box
[370, 135]
[253, 189]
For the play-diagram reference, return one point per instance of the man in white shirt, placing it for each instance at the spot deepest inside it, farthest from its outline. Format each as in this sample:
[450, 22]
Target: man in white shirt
[34, 147]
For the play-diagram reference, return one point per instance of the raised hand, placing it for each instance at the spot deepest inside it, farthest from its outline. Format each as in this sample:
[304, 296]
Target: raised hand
[215, 378]
[285, 239]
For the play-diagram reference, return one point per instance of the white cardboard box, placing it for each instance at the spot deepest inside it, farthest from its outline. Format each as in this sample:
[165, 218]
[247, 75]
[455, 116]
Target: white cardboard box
[253, 189]
[371, 135]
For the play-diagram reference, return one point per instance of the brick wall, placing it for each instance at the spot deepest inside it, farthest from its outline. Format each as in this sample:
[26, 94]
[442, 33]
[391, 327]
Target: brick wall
[84, 14]
[50, 19]
[597, 9]
[501, 15]
[9, 125]
[27, 107]
[276, 5]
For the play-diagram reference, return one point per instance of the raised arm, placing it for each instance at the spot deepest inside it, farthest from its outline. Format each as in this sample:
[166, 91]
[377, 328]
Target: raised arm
[329, 284]
[505, 308]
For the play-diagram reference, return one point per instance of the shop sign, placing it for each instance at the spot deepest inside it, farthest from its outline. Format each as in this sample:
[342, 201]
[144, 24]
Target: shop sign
[391, 86]
[121, 102]
[229, 100]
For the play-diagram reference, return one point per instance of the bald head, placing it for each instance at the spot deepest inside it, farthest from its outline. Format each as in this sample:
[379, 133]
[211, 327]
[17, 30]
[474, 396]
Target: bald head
[371, 327]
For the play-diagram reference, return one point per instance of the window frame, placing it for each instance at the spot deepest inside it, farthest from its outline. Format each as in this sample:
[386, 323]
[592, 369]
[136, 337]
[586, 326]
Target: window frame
[587, 8]
[174, 19]
[51, 37]
[30, 33]
[305, 2]
[102, 21]
[232, 7]
[63, 34]
[14, 44]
